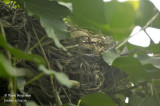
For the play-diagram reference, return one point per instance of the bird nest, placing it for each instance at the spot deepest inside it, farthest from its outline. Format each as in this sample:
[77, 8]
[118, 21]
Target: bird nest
[83, 62]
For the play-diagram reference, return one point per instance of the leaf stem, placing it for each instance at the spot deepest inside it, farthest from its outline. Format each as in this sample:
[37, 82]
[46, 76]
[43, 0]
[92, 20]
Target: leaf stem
[155, 92]
[33, 79]
[56, 95]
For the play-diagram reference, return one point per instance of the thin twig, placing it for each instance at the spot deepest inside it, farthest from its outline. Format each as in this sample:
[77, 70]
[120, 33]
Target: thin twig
[32, 80]
[67, 95]
[37, 43]
[34, 31]
[149, 36]
[148, 23]
[56, 95]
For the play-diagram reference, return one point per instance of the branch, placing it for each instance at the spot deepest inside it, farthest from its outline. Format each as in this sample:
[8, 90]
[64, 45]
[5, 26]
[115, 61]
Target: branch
[148, 23]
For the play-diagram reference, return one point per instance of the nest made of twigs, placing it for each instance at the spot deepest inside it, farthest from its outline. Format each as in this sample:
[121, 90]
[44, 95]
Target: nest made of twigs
[82, 62]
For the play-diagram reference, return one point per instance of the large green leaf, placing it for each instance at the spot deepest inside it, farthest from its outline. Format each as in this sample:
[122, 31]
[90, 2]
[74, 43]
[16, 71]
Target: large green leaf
[120, 17]
[132, 67]
[89, 14]
[7, 70]
[97, 99]
[51, 15]
[61, 77]
[19, 54]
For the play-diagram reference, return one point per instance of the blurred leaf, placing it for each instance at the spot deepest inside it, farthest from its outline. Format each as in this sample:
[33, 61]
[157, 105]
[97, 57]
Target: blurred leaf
[110, 55]
[135, 4]
[145, 13]
[144, 59]
[6, 1]
[19, 54]
[6, 69]
[153, 72]
[21, 81]
[31, 103]
[120, 17]
[89, 14]
[133, 68]
[97, 99]
[66, 0]
[75, 83]
[51, 15]
[20, 2]
[136, 100]
[61, 77]
[154, 48]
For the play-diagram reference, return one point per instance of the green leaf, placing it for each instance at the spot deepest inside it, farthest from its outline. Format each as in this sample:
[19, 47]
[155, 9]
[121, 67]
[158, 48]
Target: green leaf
[19, 54]
[154, 48]
[89, 14]
[7, 70]
[20, 82]
[133, 68]
[134, 100]
[145, 59]
[61, 77]
[153, 72]
[97, 99]
[120, 17]
[51, 16]
[110, 55]
[145, 13]
[6, 1]
[20, 2]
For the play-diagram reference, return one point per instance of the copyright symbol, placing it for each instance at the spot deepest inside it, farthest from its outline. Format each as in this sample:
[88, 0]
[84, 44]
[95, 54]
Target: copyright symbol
[5, 95]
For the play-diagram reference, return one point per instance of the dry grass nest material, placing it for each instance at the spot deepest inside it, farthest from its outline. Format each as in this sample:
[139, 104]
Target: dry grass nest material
[82, 62]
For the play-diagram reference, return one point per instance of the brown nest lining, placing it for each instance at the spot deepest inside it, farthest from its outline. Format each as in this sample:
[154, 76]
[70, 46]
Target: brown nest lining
[82, 62]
